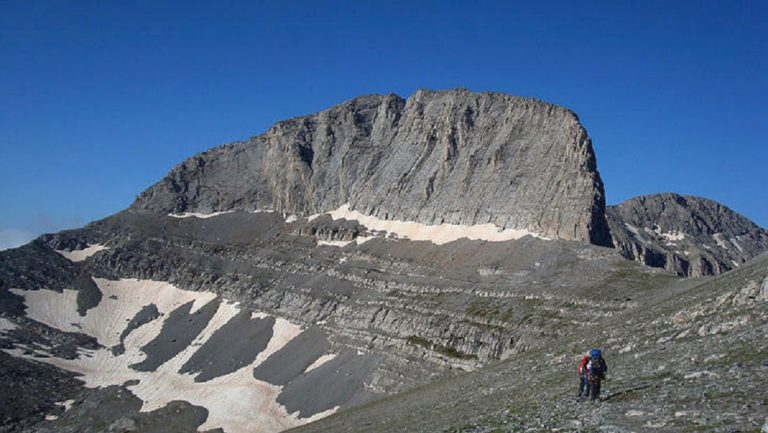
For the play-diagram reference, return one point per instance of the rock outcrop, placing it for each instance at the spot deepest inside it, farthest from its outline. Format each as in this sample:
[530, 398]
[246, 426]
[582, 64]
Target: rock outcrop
[690, 236]
[437, 157]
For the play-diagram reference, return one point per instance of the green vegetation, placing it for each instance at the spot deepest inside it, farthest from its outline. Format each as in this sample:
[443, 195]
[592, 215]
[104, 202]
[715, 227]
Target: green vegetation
[482, 325]
[745, 354]
[453, 353]
[419, 341]
[482, 309]
[439, 348]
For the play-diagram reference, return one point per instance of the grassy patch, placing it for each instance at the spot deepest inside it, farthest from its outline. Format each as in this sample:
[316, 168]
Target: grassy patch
[419, 341]
[746, 354]
[453, 353]
[439, 348]
[482, 309]
[482, 325]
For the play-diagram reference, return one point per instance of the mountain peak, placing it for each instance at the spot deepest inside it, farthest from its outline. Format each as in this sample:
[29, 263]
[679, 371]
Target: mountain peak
[688, 235]
[437, 157]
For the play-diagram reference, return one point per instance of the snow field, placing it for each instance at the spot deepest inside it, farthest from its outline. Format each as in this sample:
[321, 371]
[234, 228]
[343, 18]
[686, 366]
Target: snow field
[80, 255]
[236, 402]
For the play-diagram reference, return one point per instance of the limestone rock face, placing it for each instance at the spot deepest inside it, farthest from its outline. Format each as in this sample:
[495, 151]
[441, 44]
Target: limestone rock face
[690, 236]
[437, 157]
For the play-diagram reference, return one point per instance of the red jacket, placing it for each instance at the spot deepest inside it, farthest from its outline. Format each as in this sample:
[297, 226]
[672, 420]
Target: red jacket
[583, 365]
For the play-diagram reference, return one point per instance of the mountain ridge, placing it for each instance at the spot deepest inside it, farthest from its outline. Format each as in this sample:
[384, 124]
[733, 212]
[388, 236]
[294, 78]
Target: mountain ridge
[688, 235]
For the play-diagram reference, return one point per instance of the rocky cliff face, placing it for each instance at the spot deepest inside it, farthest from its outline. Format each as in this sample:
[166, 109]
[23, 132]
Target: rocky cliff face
[690, 236]
[437, 157]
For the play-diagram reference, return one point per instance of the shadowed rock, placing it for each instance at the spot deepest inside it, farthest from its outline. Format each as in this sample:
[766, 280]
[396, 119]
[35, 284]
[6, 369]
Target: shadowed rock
[291, 361]
[88, 296]
[115, 409]
[231, 347]
[338, 382]
[147, 314]
[179, 330]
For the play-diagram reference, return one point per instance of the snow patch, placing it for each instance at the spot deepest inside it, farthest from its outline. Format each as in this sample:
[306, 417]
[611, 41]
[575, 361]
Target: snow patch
[334, 243]
[283, 331]
[738, 246]
[363, 239]
[66, 404]
[291, 218]
[320, 361]
[80, 255]
[718, 237]
[437, 234]
[673, 236]
[198, 214]
[230, 399]
[121, 301]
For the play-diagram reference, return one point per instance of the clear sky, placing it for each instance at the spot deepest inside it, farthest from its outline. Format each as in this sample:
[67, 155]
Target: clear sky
[100, 99]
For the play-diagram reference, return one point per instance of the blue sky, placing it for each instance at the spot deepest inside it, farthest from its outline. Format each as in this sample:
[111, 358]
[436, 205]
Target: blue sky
[101, 99]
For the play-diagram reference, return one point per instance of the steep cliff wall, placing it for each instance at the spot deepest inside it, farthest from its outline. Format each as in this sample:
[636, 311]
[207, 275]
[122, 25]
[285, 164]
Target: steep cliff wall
[438, 157]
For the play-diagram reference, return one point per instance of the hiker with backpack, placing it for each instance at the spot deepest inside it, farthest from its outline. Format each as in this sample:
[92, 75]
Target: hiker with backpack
[583, 379]
[596, 370]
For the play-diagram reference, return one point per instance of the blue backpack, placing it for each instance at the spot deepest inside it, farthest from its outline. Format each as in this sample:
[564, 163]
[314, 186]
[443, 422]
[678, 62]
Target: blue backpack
[597, 365]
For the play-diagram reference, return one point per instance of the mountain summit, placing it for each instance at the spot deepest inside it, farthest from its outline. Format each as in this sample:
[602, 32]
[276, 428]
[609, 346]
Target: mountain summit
[446, 157]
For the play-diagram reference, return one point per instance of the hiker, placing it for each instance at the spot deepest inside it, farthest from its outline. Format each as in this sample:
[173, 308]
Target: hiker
[583, 383]
[596, 370]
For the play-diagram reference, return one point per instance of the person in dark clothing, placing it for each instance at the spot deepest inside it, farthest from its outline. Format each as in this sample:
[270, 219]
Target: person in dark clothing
[596, 371]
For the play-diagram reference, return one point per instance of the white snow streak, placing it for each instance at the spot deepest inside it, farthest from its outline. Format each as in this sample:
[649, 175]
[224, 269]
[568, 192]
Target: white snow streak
[334, 243]
[66, 404]
[198, 214]
[437, 234]
[674, 236]
[738, 246]
[320, 361]
[80, 255]
[718, 237]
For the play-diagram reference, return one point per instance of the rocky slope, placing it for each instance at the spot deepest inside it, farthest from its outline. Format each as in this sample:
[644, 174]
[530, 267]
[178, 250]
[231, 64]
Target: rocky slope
[690, 236]
[692, 356]
[401, 311]
[427, 264]
[453, 157]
